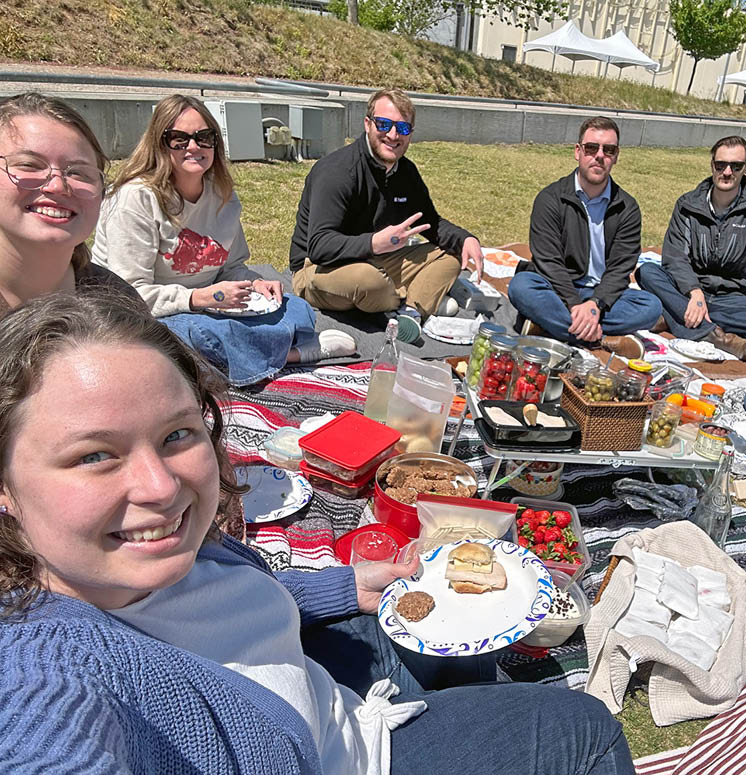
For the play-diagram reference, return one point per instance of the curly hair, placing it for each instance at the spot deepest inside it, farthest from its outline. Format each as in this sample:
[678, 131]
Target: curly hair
[40, 329]
[151, 160]
[34, 104]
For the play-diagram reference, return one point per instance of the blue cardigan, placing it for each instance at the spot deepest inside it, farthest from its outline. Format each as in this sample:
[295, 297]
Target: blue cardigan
[83, 692]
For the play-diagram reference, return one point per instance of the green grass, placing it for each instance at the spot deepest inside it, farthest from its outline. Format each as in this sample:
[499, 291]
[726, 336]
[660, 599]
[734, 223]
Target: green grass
[486, 189]
[236, 37]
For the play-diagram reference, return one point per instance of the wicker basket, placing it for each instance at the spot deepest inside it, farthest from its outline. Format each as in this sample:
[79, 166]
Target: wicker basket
[605, 425]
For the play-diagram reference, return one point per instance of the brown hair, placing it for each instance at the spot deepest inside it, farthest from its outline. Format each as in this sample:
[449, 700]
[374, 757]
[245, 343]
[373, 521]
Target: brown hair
[43, 327]
[34, 104]
[400, 100]
[151, 160]
[729, 142]
[602, 123]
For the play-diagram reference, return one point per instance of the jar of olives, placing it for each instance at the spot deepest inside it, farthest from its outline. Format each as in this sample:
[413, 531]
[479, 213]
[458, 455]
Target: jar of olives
[480, 350]
[636, 367]
[629, 386]
[530, 375]
[498, 368]
[599, 385]
[663, 422]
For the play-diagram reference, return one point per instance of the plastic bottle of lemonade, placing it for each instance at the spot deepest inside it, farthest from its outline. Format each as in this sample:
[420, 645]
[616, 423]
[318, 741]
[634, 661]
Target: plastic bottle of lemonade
[382, 375]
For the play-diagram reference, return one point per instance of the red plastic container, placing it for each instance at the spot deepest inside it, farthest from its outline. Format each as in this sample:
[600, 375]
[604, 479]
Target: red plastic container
[345, 488]
[392, 512]
[349, 446]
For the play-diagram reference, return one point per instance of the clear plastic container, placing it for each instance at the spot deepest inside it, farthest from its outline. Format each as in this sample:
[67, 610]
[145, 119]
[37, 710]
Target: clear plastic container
[629, 386]
[282, 448]
[669, 377]
[349, 446]
[554, 629]
[664, 420]
[530, 375]
[480, 350]
[600, 385]
[321, 480]
[498, 368]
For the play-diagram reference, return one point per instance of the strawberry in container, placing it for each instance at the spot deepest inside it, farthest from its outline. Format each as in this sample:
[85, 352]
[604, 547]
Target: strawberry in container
[530, 375]
[497, 370]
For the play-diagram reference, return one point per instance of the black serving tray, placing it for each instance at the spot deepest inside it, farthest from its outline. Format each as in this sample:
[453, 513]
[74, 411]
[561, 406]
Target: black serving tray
[535, 437]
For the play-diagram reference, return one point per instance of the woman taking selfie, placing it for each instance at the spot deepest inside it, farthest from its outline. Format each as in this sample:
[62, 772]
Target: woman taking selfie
[51, 183]
[134, 638]
[171, 227]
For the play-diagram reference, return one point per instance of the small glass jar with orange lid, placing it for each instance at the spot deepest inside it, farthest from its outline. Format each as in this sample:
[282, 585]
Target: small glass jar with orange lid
[711, 392]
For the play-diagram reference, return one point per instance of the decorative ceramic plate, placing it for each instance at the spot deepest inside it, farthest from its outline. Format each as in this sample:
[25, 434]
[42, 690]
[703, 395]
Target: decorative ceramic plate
[275, 493]
[701, 351]
[463, 624]
[256, 304]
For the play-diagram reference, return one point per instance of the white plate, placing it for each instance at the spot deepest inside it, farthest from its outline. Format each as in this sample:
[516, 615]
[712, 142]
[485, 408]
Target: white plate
[451, 330]
[275, 493]
[256, 304]
[463, 625]
[701, 351]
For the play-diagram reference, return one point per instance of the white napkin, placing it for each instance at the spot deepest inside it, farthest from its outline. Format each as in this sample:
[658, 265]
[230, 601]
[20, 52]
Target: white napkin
[679, 591]
[712, 587]
[692, 649]
[647, 607]
[631, 626]
[712, 626]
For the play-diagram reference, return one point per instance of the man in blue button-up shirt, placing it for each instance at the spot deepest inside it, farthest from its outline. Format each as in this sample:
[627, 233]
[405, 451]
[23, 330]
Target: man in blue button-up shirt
[585, 241]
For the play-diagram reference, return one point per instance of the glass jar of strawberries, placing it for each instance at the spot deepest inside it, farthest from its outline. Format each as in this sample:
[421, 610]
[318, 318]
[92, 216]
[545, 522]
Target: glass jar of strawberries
[498, 368]
[530, 375]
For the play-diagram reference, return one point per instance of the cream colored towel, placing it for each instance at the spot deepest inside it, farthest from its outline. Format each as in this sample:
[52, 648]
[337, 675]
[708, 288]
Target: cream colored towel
[679, 690]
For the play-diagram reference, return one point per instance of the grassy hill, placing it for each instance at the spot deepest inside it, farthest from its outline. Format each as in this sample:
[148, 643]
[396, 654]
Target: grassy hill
[237, 38]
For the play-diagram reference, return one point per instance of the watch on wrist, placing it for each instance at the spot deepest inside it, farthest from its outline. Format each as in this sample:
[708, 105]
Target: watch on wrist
[600, 303]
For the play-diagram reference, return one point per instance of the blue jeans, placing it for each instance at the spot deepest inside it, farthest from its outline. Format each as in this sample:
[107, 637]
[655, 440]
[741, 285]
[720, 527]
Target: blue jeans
[533, 296]
[248, 349]
[483, 728]
[727, 310]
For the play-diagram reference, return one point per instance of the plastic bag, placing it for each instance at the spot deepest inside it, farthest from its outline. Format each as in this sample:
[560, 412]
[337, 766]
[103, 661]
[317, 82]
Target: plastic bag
[665, 501]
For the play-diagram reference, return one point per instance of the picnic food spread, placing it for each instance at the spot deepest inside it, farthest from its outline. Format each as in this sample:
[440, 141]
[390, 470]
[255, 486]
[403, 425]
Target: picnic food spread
[472, 569]
[405, 483]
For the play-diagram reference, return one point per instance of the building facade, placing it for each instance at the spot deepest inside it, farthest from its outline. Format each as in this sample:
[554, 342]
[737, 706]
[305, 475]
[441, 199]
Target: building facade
[646, 23]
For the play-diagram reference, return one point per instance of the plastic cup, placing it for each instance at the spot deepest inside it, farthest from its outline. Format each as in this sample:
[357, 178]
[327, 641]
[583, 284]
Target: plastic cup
[372, 546]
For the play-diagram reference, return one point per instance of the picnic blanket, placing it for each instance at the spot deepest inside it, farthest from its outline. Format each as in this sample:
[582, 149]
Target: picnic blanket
[305, 540]
[720, 749]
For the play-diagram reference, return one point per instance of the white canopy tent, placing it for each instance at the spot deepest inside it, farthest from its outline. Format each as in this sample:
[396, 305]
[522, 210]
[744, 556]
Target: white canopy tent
[570, 42]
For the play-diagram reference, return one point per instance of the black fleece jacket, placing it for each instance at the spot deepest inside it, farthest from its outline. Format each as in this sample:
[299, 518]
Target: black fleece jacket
[702, 251]
[347, 197]
[560, 241]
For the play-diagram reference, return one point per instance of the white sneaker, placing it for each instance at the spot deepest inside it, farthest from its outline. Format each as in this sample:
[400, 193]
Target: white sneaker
[328, 344]
[448, 307]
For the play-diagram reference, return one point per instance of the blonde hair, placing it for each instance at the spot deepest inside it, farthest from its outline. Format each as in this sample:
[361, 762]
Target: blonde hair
[151, 160]
[399, 100]
[35, 104]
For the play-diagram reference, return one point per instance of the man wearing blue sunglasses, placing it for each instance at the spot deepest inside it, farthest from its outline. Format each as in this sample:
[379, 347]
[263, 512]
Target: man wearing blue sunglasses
[360, 207]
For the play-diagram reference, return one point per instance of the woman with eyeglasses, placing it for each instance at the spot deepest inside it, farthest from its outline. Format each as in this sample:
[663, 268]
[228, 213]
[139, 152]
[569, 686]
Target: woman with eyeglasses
[136, 638]
[171, 226]
[51, 184]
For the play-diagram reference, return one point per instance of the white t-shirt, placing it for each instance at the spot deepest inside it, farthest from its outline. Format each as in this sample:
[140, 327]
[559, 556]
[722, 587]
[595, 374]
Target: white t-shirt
[165, 261]
[261, 640]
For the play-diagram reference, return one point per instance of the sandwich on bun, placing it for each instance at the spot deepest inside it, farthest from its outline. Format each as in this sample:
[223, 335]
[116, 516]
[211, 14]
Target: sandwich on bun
[472, 569]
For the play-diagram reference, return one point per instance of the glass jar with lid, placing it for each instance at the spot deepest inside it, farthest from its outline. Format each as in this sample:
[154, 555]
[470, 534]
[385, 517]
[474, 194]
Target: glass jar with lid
[636, 367]
[498, 368]
[664, 420]
[530, 375]
[630, 385]
[480, 350]
[599, 385]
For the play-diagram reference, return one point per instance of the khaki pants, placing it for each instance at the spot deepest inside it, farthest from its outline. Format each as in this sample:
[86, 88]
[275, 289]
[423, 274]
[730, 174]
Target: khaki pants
[420, 275]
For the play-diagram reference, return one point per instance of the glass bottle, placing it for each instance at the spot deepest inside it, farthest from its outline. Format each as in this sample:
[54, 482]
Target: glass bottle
[713, 511]
[382, 375]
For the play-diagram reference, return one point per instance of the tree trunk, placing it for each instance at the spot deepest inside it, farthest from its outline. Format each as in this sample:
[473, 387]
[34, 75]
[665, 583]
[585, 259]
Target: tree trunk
[691, 80]
[352, 12]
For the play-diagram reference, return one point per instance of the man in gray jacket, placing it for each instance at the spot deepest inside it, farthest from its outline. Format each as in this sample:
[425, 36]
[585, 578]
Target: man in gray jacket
[702, 280]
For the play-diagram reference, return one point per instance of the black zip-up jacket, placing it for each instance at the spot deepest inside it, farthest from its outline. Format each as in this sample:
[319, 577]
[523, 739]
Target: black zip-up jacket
[702, 251]
[347, 197]
[560, 241]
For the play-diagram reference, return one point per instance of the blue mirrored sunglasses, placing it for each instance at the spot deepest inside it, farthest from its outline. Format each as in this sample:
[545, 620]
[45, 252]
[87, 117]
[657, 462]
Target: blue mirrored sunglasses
[385, 124]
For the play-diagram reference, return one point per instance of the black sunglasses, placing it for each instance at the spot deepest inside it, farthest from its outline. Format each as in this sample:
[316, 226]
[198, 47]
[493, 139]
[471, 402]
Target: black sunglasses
[591, 149]
[385, 124]
[179, 141]
[735, 166]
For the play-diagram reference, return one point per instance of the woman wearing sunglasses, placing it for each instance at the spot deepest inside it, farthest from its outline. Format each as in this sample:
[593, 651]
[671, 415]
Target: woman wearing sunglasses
[51, 183]
[135, 638]
[171, 226]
